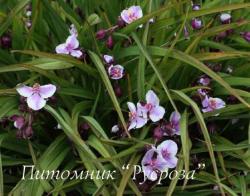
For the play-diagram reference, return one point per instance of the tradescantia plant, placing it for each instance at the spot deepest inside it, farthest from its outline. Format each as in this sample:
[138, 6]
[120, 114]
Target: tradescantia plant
[124, 97]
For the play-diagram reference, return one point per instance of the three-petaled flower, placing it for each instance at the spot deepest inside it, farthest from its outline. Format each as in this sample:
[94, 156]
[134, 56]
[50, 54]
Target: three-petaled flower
[131, 14]
[210, 104]
[71, 46]
[152, 107]
[36, 95]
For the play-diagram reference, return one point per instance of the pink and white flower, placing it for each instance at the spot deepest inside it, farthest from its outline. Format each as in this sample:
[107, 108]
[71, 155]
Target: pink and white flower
[168, 150]
[131, 14]
[136, 117]
[36, 95]
[153, 164]
[116, 72]
[210, 104]
[152, 107]
[71, 47]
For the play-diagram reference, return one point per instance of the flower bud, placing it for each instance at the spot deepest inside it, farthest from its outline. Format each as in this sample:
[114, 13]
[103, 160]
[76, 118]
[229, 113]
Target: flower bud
[19, 134]
[204, 80]
[158, 133]
[110, 43]
[27, 132]
[196, 23]
[83, 130]
[118, 90]
[101, 34]
[28, 24]
[225, 18]
[19, 121]
[5, 41]
[196, 7]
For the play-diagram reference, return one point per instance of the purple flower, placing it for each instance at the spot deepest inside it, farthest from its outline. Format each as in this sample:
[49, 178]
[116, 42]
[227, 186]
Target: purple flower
[225, 18]
[196, 23]
[116, 72]
[71, 46]
[246, 36]
[108, 59]
[137, 118]
[152, 107]
[210, 104]
[152, 164]
[168, 150]
[36, 95]
[131, 14]
[175, 122]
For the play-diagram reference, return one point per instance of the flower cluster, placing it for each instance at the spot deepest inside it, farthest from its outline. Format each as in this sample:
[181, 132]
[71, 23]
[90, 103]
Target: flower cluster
[71, 46]
[160, 159]
[209, 103]
[142, 112]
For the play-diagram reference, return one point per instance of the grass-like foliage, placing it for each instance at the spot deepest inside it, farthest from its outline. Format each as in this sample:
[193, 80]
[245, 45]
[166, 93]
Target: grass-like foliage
[156, 93]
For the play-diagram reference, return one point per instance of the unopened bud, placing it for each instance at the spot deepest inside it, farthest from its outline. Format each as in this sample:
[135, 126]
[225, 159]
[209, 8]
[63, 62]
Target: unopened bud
[196, 24]
[110, 43]
[101, 34]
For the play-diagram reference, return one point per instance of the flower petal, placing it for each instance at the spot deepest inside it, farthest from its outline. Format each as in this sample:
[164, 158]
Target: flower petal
[24, 91]
[125, 16]
[137, 11]
[175, 117]
[131, 107]
[171, 162]
[140, 122]
[132, 124]
[47, 91]
[76, 53]
[36, 102]
[156, 113]
[168, 145]
[152, 98]
[72, 41]
[61, 49]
